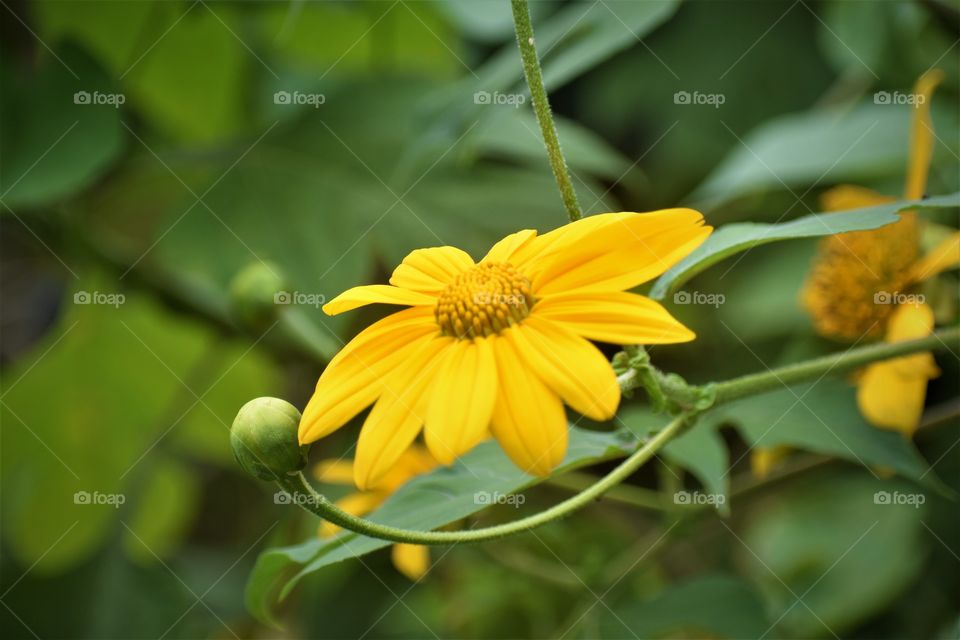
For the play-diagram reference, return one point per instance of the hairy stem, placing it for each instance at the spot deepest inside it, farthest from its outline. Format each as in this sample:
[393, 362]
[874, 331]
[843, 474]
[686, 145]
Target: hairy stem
[541, 107]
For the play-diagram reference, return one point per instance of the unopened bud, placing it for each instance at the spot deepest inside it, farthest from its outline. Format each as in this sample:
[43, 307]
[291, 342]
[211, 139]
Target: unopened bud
[264, 439]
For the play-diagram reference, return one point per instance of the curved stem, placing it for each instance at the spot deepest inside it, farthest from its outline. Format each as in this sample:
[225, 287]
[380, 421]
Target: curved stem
[305, 496]
[541, 107]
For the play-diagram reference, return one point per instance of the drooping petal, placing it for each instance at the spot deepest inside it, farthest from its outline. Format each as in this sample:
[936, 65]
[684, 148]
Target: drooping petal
[461, 399]
[626, 250]
[334, 471]
[412, 560]
[617, 317]
[569, 365]
[946, 255]
[528, 418]
[921, 135]
[373, 294]
[430, 270]
[504, 250]
[891, 393]
[398, 415]
[353, 379]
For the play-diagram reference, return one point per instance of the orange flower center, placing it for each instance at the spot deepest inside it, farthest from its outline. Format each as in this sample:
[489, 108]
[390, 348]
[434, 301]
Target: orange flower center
[484, 301]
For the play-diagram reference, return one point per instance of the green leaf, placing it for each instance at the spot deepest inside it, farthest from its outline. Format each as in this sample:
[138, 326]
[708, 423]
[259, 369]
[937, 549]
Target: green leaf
[427, 502]
[823, 418]
[701, 451]
[162, 511]
[835, 541]
[54, 144]
[710, 606]
[819, 147]
[734, 238]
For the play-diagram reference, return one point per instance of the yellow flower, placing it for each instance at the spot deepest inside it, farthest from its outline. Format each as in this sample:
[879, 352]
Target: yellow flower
[860, 284]
[412, 560]
[497, 347]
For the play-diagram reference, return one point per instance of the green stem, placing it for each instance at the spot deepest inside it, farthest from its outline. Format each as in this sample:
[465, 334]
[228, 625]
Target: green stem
[833, 364]
[541, 107]
[305, 496]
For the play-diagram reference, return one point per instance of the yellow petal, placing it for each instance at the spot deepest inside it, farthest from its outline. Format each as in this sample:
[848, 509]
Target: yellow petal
[570, 366]
[528, 418]
[375, 293]
[356, 504]
[334, 471]
[945, 255]
[845, 197]
[461, 399]
[891, 393]
[504, 250]
[617, 317]
[396, 418]
[431, 270]
[763, 460]
[921, 135]
[626, 251]
[352, 380]
[412, 560]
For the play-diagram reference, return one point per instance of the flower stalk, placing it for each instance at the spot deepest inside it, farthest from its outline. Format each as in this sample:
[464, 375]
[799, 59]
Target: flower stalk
[541, 107]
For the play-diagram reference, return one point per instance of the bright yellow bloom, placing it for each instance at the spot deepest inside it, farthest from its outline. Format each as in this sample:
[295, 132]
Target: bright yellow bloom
[497, 347]
[861, 282]
[412, 560]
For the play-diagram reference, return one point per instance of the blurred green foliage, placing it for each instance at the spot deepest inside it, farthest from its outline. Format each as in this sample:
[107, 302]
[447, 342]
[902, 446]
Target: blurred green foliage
[148, 155]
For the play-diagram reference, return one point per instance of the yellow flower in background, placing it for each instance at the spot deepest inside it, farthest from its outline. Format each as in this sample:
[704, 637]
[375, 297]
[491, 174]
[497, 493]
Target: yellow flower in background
[497, 347]
[412, 560]
[862, 284]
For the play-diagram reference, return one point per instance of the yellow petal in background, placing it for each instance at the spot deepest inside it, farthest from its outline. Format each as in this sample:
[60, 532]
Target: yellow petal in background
[528, 419]
[617, 317]
[356, 504]
[461, 399]
[921, 135]
[373, 294]
[942, 257]
[412, 560]
[891, 393]
[334, 471]
[845, 197]
[431, 270]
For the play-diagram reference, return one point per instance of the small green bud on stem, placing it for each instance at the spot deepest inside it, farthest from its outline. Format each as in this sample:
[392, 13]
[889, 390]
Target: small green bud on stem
[264, 439]
[253, 294]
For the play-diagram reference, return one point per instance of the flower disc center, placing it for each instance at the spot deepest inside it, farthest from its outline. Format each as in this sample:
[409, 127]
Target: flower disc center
[484, 301]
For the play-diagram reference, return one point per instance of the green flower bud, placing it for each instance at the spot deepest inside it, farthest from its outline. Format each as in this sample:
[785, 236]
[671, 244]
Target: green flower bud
[253, 294]
[264, 439]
